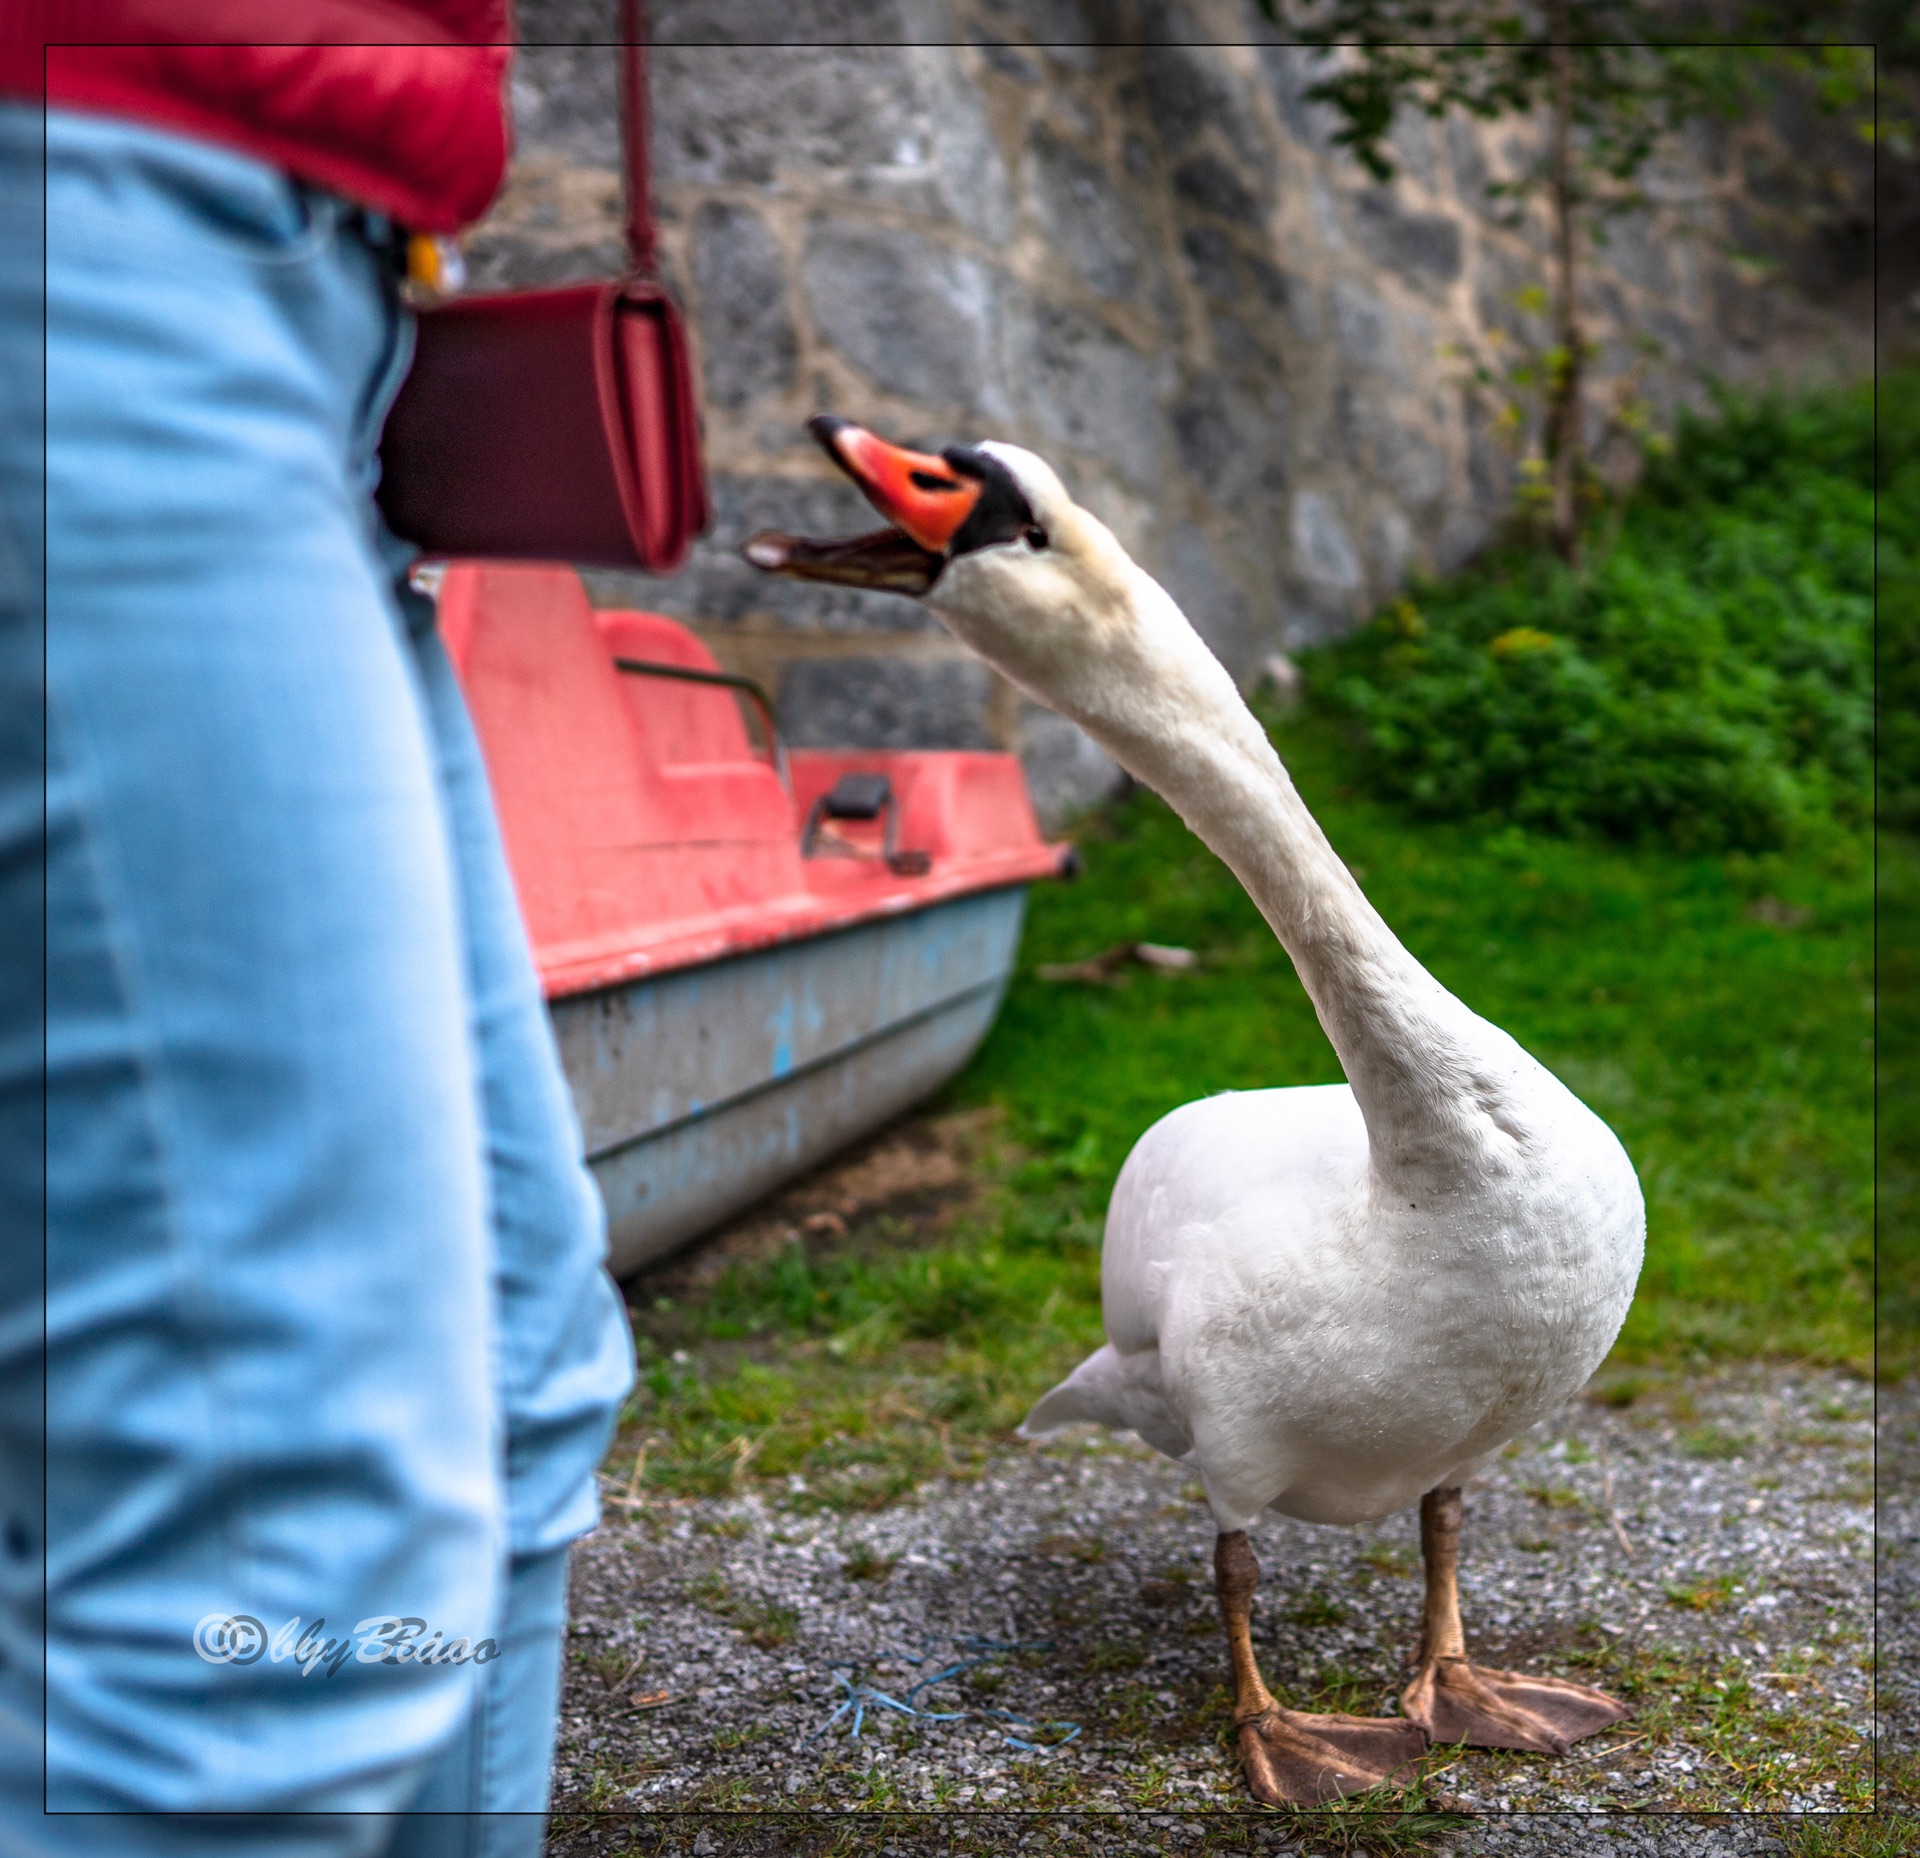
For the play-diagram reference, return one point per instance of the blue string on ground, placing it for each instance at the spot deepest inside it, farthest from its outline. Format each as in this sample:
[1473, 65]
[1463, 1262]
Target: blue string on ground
[861, 1696]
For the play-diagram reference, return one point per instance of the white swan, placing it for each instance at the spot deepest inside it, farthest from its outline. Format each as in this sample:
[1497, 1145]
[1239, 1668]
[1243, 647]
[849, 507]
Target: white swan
[1330, 1301]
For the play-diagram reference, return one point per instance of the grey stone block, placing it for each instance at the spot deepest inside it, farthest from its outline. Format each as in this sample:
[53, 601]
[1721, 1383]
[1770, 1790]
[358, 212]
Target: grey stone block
[1490, 471]
[1464, 534]
[1187, 87]
[885, 703]
[1425, 248]
[1232, 442]
[914, 316]
[1211, 183]
[1086, 218]
[1363, 325]
[1414, 466]
[1415, 141]
[1067, 770]
[1210, 261]
[795, 23]
[1290, 71]
[1085, 387]
[1387, 448]
[754, 112]
[1248, 350]
[1323, 553]
[734, 114]
[1205, 589]
[1271, 285]
[1469, 163]
[1393, 545]
[1001, 55]
[881, 117]
[747, 339]
[1184, 85]
[970, 186]
[1633, 249]
[1067, 32]
[565, 97]
[511, 260]
[567, 22]
[1500, 278]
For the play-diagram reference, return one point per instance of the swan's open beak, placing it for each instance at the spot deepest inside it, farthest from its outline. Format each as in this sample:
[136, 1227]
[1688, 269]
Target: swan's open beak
[925, 499]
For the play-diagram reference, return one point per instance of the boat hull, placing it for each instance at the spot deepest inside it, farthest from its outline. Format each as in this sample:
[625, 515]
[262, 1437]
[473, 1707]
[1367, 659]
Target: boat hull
[702, 1089]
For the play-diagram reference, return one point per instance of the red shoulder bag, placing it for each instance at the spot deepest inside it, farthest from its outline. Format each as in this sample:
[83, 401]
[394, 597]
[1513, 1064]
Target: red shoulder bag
[556, 425]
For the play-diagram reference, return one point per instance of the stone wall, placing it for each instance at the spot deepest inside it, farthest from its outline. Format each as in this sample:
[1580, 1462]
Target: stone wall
[1118, 234]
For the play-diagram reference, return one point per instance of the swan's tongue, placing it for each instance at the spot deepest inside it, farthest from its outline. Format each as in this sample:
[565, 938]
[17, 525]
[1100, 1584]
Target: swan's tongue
[887, 561]
[921, 494]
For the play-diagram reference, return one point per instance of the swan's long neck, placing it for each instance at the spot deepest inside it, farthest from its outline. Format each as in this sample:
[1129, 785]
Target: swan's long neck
[1429, 1074]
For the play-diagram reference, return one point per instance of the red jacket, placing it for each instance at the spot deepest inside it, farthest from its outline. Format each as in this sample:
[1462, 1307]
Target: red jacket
[397, 103]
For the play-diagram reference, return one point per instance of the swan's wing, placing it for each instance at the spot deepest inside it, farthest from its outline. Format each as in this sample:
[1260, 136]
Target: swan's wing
[1112, 1389]
[1220, 1198]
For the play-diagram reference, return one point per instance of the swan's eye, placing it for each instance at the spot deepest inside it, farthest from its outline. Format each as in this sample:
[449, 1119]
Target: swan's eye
[1034, 536]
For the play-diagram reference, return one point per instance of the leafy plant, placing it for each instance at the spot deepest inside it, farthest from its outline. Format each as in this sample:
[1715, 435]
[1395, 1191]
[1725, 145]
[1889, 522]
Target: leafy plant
[1707, 682]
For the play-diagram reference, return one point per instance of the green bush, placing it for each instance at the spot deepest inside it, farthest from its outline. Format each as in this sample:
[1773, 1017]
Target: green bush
[1898, 617]
[1705, 681]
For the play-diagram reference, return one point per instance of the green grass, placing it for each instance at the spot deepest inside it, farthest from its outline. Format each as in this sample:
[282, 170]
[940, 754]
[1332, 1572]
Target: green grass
[1898, 1309]
[1714, 1010]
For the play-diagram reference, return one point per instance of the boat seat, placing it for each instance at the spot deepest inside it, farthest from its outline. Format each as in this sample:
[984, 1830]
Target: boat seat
[610, 830]
[559, 742]
[716, 787]
[679, 722]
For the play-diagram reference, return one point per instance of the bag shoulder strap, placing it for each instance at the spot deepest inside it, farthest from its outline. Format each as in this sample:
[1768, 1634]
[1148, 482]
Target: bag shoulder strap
[634, 135]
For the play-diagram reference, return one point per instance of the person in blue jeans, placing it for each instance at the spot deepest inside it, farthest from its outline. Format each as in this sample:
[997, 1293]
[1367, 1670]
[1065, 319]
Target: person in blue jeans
[328, 1336]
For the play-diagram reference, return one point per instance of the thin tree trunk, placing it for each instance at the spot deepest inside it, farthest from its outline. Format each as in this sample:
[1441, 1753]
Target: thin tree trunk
[1564, 422]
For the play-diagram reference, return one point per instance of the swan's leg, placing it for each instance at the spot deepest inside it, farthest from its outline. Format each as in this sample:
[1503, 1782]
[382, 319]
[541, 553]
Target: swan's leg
[1455, 1700]
[1292, 1759]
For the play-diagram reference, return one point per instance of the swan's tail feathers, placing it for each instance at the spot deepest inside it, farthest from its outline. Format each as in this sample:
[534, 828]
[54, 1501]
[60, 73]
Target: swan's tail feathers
[1116, 1390]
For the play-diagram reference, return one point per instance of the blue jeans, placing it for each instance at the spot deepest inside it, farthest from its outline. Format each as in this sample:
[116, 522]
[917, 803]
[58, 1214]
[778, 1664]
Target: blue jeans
[328, 1333]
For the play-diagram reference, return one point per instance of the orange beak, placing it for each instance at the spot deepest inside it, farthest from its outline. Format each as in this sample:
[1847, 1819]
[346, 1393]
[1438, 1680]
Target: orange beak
[917, 492]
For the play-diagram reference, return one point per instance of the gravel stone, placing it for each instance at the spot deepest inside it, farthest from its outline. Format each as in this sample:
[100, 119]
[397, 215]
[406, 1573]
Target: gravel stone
[1095, 1554]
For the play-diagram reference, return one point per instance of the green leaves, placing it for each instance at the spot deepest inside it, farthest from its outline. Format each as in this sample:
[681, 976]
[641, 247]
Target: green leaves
[1491, 59]
[1706, 683]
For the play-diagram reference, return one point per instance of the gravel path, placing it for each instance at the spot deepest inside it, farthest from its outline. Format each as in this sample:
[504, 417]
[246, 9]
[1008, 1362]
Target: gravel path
[1898, 1590]
[1703, 1546]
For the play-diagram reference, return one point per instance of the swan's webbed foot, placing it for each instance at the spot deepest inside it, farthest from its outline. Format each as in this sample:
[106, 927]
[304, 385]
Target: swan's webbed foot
[1291, 1759]
[1457, 1701]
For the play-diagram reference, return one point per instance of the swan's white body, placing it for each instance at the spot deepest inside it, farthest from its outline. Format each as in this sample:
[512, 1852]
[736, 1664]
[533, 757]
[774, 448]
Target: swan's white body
[1326, 1300]
[1314, 1339]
